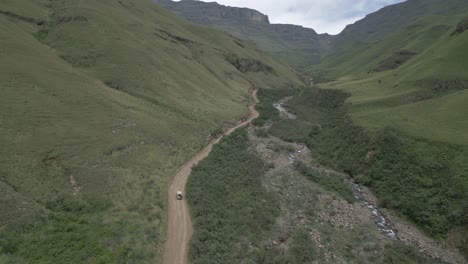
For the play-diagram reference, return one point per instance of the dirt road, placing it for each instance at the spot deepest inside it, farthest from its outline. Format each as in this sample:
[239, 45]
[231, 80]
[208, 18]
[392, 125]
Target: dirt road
[180, 227]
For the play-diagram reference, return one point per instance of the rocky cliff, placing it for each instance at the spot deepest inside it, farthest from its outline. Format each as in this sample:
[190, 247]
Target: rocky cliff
[209, 13]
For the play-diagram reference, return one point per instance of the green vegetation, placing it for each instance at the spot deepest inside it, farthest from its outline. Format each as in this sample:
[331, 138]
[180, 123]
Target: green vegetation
[330, 183]
[385, 22]
[423, 180]
[248, 65]
[426, 181]
[398, 253]
[322, 123]
[357, 61]
[303, 248]
[265, 107]
[423, 96]
[100, 104]
[234, 216]
[306, 194]
[72, 232]
[103, 100]
[232, 212]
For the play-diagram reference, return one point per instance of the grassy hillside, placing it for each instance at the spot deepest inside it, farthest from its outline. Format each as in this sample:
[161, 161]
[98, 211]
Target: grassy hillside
[388, 54]
[414, 93]
[101, 102]
[394, 18]
[295, 45]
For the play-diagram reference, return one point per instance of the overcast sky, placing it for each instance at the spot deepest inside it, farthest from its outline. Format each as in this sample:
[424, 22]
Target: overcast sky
[325, 16]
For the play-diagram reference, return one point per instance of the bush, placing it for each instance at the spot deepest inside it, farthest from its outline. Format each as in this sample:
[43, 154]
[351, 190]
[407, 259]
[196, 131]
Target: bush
[330, 183]
[303, 248]
[232, 212]
[69, 234]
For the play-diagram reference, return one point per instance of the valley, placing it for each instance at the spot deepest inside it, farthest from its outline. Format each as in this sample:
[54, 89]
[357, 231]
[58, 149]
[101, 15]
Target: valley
[288, 146]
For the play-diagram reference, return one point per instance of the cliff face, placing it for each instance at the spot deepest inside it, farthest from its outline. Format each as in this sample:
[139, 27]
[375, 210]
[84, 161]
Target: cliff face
[241, 14]
[295, 45]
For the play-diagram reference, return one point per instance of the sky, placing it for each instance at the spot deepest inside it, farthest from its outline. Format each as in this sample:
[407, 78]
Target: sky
[325, 16]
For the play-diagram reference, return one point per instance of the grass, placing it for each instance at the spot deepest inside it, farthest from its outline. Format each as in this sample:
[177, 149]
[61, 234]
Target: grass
[445, 122]
[422, 96]
[360, 59]
[330, 183]
[384, 23]
[427, 183]
[99, 107]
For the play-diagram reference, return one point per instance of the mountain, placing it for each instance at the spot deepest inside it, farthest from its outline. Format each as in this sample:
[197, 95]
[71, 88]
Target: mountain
[101, 102]
[295, 45]
[391, 19]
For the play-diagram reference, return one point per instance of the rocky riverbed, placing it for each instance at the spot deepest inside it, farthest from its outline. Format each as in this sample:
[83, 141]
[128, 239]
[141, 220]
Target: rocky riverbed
[366, 208]
[279, 105]
[383, 224]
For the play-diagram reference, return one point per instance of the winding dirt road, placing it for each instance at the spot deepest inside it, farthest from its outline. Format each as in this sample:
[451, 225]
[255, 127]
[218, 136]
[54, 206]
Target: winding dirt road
[180, 227]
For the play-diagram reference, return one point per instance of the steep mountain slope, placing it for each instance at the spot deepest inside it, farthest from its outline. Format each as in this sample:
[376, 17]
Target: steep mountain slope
[393, 18]
[101, 101]
[424, 62]
[298, 46]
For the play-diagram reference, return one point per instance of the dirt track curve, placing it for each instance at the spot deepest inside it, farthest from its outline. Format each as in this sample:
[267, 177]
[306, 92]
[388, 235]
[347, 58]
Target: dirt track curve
[180, 227]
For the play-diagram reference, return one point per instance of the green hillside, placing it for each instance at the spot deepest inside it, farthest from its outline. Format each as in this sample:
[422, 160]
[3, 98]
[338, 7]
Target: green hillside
[388, 88]
[364, 58]
[101, 102]
[394, 18]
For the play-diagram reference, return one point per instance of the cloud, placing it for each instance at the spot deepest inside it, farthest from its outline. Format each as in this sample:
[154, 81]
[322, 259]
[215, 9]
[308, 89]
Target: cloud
[330, 16]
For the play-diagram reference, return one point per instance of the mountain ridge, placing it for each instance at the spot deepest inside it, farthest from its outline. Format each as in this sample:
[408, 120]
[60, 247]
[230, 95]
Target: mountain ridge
[295, 45]
[390, 19]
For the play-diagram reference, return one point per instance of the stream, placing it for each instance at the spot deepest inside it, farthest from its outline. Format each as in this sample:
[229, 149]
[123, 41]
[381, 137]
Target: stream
[282, 111]
[380, 220]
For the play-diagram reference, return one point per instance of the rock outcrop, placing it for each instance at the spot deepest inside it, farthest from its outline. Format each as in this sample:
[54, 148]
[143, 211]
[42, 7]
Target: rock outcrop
[461, 27]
